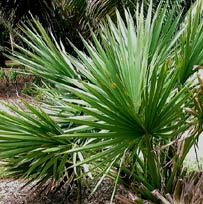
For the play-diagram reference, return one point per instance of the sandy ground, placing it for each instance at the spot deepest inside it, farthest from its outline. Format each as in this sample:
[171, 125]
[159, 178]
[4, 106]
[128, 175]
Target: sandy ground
[11, 193]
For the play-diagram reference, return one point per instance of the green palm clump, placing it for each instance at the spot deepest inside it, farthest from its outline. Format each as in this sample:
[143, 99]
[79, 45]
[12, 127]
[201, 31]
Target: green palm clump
[123, 108]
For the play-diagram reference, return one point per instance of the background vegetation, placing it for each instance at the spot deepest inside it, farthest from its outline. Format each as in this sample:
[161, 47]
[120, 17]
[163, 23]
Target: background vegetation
[67, 18]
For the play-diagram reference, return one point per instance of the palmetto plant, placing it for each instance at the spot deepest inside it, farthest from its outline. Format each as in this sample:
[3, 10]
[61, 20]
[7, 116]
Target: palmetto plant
[63, 17]
[123, 107]
[42, 165]
[70, 17]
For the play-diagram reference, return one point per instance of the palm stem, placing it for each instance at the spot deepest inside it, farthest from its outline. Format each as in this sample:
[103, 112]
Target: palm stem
[151, 163]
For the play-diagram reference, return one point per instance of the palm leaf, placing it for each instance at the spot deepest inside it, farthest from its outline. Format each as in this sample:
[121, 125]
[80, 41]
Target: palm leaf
[29, 144]
[122, 97]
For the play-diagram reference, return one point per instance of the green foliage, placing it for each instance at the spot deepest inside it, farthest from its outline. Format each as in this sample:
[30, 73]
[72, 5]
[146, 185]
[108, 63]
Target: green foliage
[9, 75]
[2, 74]
[39, 157]
[68, 18]
[30, 88]
[121, 109]
[191, 45]
[2, 171]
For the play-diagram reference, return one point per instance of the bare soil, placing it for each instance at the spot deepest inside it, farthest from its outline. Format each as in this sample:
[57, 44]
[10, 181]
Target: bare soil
[11, 192]
[13, 88]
